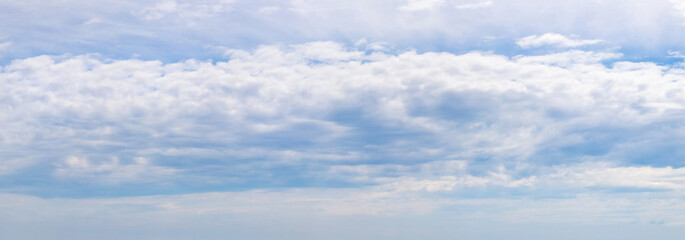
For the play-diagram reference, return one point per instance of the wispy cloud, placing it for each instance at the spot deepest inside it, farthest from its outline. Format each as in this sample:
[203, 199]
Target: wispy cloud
[111, 172]
[146, 28]
[186, 10]
[421, 5]
[477, 5]
[678, 6]
[554, 40]
[13, 165]
[5, 45]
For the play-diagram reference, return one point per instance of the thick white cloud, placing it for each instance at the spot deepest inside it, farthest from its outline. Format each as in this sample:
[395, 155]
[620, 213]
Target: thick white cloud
[321, 104]
[186, 11]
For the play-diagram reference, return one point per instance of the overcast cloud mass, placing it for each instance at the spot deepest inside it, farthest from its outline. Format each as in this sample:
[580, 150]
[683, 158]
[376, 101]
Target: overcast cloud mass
[413, 119]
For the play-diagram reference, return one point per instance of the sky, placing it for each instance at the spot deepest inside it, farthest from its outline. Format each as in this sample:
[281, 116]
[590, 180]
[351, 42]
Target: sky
[302, 119]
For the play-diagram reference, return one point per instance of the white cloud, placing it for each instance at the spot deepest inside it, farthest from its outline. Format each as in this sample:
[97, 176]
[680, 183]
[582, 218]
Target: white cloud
[605, 175]
[569, 58]
[675, 54]
[93, 21]
[4, 46]
[159, 10]
[269, 10]
[184, 10]
[400, 178]
[240, 24]
[679, 6]
[401, 197]
[421, 5]
[445, 176]
[306, 7]
[320, 102]
[111, 172]
[483, 4]
[327, 51]
[585, 202]
[450, 183]
[555, 40]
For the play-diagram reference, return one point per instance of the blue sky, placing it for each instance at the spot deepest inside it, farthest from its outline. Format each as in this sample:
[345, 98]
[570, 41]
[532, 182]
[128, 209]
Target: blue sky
[438, 119]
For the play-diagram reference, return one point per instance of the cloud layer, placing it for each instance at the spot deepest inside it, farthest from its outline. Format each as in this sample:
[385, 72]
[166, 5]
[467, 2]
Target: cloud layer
[302, 119]
[175, 30]
[554, 39]
[299, 115]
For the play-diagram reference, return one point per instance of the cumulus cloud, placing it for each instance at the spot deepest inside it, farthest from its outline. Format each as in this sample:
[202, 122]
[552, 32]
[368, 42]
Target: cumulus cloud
[286, 115]
[555, 40]
[286, 135]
